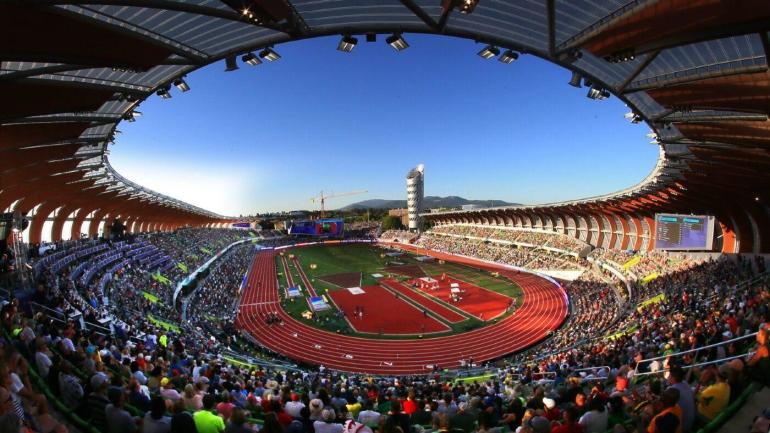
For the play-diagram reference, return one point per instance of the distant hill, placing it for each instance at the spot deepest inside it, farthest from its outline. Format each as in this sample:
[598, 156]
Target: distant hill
[430, 202]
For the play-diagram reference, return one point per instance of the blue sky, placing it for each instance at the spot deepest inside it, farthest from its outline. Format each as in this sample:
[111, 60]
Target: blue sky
[268, 138]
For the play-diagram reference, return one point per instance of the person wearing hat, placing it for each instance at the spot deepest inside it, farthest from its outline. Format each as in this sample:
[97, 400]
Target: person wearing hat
[551, 411]
[714, 398]
[539, 424]
[118, 419]
[294, 406]
[316, 409]
[168, 391]
[97, 401]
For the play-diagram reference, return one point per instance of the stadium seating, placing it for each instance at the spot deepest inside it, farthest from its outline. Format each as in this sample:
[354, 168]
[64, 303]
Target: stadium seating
[152, 354]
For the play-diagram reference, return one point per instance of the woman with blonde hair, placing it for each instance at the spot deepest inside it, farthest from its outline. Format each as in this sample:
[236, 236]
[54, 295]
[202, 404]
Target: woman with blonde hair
[316, 407]
[191, 399]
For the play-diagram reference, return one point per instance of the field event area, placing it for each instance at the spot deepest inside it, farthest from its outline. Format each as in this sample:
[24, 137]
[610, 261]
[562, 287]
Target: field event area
[373, 291]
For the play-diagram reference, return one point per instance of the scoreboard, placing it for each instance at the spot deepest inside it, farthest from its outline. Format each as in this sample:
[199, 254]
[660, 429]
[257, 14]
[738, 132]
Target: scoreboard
[324, 227]
[684, 232]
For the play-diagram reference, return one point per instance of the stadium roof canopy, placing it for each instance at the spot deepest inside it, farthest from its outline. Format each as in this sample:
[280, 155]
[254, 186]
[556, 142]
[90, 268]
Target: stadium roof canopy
[696, 71]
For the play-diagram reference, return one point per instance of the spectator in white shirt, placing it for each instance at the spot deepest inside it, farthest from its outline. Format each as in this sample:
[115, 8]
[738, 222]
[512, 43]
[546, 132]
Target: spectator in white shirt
[42, 360]
[294, 406]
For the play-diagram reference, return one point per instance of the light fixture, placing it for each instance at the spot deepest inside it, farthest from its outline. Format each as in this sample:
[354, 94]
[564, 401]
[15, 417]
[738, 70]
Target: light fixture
[269, 54]
[181, 84]
[633, 117]
[397, 42]
[464, 6]
[508, 57]
[575, 80]
[489, 51]
[164, 92]
[347, 43]
[598, 93]
[621, 56]
[129, 117]
[251, 60]
[230, 64]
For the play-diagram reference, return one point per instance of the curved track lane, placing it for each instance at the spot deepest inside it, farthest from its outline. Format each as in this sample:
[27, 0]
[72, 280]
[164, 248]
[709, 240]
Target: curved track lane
[544, 308]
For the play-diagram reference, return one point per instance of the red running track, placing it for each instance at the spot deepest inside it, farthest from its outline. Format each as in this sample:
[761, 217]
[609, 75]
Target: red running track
[429, 304]
[380, 308]
[544, 308]
[482, 303]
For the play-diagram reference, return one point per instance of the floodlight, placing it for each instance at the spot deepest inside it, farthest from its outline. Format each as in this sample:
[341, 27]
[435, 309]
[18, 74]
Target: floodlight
[464, 6]
[230, 64]
[598, 93]
[508, 57]
[347, 43]
[397, 42]
[489, 51]
[575, 80]
[181, 84]
[164, 92]
[251, 60]
[269, 54]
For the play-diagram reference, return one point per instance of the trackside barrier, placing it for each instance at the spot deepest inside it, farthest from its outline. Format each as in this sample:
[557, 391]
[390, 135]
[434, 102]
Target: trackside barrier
[678, 354]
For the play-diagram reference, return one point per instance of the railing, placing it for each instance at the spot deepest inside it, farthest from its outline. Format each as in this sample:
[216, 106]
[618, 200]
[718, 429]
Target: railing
[700, 364]
[710, 346]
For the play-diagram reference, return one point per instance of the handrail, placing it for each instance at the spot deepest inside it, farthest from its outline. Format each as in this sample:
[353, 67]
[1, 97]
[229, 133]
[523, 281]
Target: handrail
[693, 350]
[600, 367]
[685, 367]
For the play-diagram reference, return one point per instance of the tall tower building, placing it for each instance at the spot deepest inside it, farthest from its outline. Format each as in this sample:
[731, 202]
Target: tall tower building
[415, 185]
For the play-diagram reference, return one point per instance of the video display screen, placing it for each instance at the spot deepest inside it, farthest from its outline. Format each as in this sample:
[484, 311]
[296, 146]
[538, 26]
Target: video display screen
[684, 232]
[324, 227]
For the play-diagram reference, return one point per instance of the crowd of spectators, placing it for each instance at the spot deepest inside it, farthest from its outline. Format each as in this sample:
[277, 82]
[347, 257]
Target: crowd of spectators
[191, 247]
[515, 255]
[144, 378]
[174, 386]
[539, 238]
[214, 303]
[403, 236]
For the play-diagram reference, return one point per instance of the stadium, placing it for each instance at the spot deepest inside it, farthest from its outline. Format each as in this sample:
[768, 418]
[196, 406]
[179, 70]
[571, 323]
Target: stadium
[128, 310]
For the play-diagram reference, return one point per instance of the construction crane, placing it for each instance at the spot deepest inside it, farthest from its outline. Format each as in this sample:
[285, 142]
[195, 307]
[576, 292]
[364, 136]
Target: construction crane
[322, 198]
